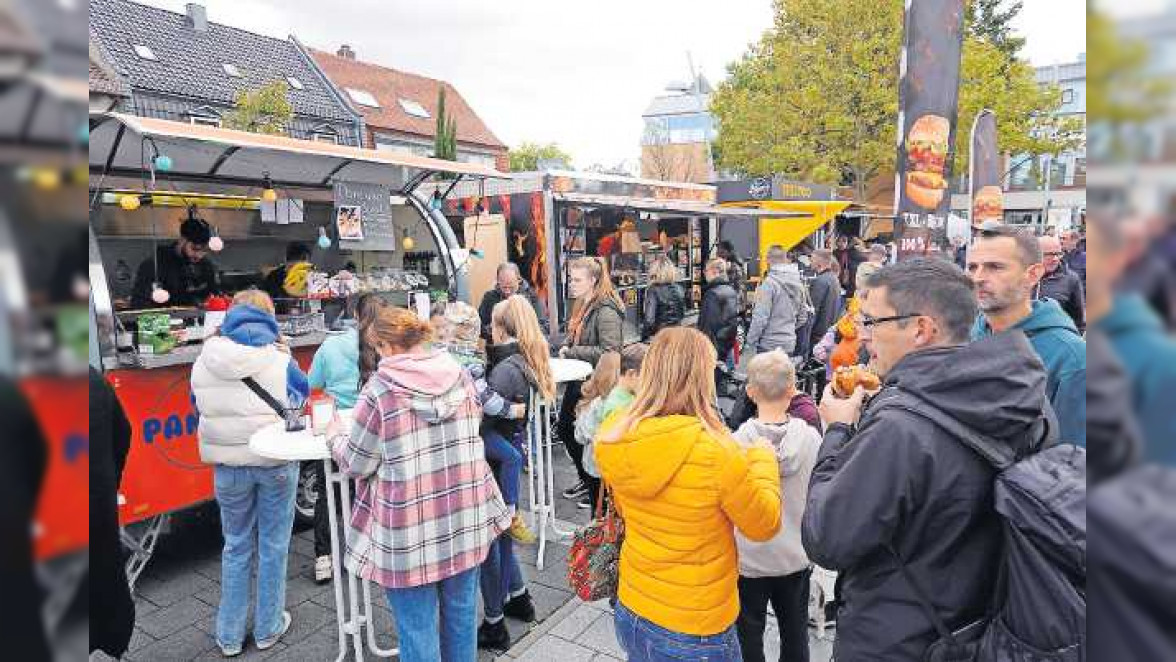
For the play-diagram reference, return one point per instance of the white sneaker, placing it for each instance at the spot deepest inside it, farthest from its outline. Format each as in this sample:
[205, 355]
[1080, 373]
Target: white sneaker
[287, 619]
[322, 570]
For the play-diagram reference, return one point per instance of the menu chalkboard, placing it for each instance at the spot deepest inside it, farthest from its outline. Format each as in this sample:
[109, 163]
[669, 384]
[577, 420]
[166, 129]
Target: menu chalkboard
[375, 230]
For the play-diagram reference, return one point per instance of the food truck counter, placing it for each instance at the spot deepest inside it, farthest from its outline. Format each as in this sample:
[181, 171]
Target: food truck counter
[188, 354]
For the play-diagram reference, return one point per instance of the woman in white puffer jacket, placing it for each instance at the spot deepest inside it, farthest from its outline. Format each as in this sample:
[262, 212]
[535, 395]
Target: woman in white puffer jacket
[255, 494]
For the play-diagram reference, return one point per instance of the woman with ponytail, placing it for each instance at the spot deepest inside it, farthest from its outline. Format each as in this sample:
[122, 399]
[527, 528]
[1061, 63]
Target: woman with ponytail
[595, 328]
[519, 363]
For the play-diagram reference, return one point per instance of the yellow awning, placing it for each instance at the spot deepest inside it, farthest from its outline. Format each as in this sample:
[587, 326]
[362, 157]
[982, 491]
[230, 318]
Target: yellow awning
[804, 218]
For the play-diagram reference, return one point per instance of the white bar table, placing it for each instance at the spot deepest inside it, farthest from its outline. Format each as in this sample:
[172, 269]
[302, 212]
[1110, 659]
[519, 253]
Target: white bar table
[539, 444]
[352, 615]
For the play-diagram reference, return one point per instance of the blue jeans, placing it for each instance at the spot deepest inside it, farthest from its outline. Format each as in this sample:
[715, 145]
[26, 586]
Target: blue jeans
[502, 578]
[257, 518]
[438, 622]
[509, 464]
[645, 642]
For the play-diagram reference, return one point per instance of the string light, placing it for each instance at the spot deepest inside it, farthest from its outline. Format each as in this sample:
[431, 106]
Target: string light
[268, 194]
[129, 201]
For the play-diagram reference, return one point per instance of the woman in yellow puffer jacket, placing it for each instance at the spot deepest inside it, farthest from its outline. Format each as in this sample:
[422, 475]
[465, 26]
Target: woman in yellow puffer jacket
[683, 485]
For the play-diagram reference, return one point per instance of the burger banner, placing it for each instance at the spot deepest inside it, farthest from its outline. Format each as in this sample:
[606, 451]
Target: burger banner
[984, 171]
[928, 93]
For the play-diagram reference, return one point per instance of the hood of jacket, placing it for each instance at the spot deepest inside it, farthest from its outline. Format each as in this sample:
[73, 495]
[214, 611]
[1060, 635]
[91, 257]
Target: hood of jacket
[247, 325]
[784, 273]
[431, 380]
[650, 453]
[1046, 315]
[995, 386]
[786, 438]
[230, 360]
[503, 351]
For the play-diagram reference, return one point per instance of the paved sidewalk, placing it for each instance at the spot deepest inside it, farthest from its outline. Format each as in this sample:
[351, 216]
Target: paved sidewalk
[583, 632]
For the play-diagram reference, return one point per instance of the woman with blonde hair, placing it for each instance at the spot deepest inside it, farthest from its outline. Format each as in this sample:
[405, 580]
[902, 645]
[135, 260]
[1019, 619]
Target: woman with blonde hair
[683, 485]
[595, 328]
[519, 363]
[665, 304]
[427, 508]
[244, 360]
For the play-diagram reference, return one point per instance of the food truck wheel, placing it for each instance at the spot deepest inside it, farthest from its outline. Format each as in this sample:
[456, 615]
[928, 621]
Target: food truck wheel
[306, 496]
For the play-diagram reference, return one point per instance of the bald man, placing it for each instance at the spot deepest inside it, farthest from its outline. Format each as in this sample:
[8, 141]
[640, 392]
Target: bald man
[1060, 283]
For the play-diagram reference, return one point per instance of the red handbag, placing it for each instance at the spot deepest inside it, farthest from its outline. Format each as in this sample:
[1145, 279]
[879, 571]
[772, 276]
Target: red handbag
[595, 558]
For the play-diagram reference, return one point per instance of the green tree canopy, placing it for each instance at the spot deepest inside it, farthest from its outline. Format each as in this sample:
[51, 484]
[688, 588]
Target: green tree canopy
[992, 21]
[817, 97]
[265, 110]
[526, 157]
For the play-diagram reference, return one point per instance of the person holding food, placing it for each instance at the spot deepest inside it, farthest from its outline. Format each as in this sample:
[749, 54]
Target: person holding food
[895, 484]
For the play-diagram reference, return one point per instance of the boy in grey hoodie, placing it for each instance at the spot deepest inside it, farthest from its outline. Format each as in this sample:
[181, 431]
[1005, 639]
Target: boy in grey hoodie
[777, 571]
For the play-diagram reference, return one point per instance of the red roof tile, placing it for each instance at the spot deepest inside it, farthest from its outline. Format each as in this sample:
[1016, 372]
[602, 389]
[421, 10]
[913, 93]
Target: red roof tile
[389, 86]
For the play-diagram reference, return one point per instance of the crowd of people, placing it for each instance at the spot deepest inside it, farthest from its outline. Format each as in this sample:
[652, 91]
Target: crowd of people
[723, 515]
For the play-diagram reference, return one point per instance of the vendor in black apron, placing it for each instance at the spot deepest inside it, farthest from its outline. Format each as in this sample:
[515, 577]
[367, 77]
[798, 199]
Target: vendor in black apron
[182, 268]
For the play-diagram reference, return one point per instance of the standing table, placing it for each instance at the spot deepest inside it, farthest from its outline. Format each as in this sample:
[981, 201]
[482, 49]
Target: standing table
[539, 443]
[352, 616]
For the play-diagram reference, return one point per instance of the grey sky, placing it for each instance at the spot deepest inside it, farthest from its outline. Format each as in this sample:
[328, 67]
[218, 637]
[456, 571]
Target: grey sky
[576, 73]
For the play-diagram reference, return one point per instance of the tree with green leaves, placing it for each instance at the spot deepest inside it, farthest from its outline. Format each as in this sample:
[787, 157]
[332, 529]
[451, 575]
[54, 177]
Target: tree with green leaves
[526, 157]
[817, 97]
[265, 110]
[445, 140]
[992, 21]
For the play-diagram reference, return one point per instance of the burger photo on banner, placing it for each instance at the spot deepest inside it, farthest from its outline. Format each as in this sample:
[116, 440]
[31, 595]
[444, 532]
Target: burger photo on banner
[928, 95]
[987, 205]
[984, 174]
[926, 159]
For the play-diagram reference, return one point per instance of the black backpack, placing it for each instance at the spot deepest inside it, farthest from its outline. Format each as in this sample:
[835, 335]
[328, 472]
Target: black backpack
[1037, 612]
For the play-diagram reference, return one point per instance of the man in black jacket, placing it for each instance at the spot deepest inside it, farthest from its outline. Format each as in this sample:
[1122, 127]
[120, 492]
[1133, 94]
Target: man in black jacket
[891, 482]
[509, 282]
[1060, 283]
[825, 292]
[718, 315]
[182, 269]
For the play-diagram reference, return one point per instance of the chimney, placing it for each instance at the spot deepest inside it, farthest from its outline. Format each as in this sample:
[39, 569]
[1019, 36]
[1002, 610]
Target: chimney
[197, 16]
[345, 52]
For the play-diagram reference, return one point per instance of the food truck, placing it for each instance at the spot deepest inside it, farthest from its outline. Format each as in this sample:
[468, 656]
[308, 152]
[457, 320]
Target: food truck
[356, 219]
[792, 212]
[542, 221]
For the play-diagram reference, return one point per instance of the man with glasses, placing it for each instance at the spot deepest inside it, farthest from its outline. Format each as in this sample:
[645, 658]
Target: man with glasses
[1006, 265]
[897, 503]
[181, 268]
[1060, 283]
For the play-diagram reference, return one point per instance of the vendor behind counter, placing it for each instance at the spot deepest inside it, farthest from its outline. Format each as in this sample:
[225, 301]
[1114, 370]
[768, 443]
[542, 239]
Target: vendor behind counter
[181, 268]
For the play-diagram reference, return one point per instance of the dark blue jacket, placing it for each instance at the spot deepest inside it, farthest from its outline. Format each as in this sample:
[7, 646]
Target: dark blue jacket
[1063, 351]
[1149, 356]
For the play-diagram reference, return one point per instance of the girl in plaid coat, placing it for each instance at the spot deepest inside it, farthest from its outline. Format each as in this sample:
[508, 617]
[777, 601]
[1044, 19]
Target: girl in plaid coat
[427, 506]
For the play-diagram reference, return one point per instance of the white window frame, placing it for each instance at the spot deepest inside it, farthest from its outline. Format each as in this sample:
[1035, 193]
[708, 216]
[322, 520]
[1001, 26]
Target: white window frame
[295, 83]
[231, 70]
[362, 97]
[324, 137]
[414, 108]
[1068, 95]
[144, 52]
